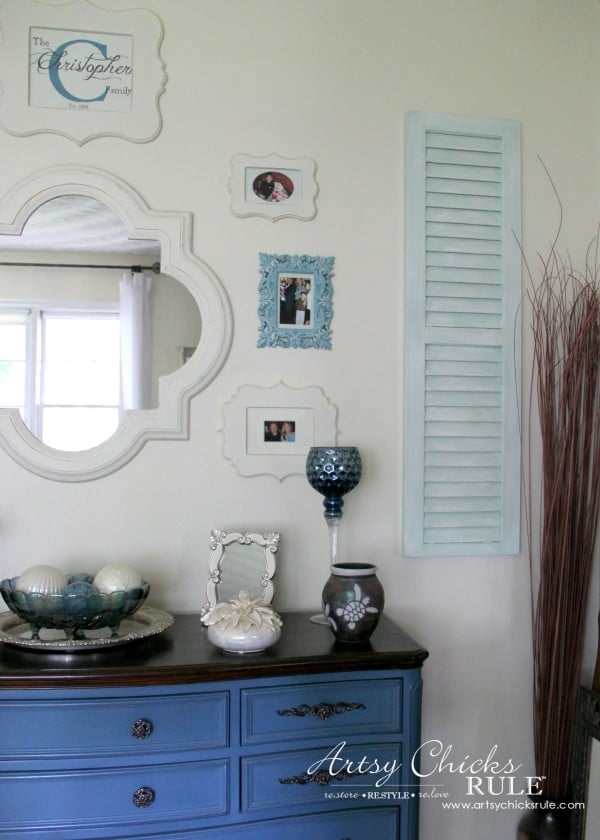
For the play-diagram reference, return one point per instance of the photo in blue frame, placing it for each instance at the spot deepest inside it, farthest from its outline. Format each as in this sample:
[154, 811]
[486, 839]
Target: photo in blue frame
[295, 301]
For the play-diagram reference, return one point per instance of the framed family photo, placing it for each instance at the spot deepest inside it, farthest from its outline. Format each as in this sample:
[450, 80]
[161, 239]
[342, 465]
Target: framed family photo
[269, 430]
[295, 305]
[283, 430]
[273, 187]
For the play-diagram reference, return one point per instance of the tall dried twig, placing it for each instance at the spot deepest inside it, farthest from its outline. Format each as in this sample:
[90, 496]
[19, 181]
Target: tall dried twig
[565, 323]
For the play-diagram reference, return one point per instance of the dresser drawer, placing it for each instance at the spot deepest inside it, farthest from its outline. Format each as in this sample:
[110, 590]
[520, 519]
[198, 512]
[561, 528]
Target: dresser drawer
[128, 795]
[99, 727]
[365, 824]
[284, 780]
[321, 709]
[353, 825]
[341, 826]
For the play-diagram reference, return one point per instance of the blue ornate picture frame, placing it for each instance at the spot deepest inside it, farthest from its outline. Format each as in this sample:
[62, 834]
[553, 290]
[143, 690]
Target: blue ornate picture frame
[295, 301]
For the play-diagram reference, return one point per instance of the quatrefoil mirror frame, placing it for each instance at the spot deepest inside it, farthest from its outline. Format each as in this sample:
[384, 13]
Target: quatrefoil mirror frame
[268, 543]
[173, 231]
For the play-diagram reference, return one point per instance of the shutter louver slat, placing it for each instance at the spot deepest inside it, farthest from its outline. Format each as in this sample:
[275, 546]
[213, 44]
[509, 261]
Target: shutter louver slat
[454, 244]
[462, 215]
[453, 186]
[457, 140]
[454, 201]
[458, 505]
[462, 459]
[474, 444]
[448, 274]
[468, 157]
[460, 419]
[456, 229]
[460, 289]
[486, 177]
[443, 259]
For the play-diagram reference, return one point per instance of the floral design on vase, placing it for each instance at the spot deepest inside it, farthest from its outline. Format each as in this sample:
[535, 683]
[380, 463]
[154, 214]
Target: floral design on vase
[353, 612]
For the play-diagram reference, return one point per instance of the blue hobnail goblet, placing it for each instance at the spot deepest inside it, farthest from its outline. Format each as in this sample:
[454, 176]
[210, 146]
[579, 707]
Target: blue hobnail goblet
[333, 471]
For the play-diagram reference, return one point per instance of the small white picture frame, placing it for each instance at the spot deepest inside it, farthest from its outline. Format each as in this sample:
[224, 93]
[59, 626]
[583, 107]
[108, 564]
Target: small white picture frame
[269, 430]
[273, 187]
[80, 71]
[240, 562]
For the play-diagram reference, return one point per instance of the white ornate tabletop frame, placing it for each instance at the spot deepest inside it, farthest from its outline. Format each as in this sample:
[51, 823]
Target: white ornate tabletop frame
[81, 71]
[246, 415]
[219, 540]
[291, 193]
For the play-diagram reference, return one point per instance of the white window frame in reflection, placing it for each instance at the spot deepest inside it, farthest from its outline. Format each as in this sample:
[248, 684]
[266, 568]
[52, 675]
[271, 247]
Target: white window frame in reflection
[16, 317]
[93, 419]
[37, 407]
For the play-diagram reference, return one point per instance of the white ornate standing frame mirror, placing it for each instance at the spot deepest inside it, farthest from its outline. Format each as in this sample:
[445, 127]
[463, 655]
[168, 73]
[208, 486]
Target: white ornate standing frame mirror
[172, 231]
[239, 562]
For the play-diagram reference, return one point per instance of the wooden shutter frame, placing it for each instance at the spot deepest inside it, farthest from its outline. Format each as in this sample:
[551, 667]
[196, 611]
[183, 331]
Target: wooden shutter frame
[418, 335]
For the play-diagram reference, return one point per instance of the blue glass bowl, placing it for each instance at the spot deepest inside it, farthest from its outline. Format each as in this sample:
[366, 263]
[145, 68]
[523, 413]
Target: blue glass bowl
[78, 610]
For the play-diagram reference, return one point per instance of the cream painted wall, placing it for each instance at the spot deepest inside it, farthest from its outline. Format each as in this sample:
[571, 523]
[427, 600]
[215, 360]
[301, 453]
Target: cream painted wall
[332, 79]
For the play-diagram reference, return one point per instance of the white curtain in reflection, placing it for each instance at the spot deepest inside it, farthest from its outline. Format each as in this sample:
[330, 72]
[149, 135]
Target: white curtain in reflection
[136, 340]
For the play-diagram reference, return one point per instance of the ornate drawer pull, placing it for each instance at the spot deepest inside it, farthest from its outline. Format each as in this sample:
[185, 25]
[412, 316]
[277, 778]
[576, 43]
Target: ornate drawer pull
[321, 777]
[143, 797]
[321, 710]
[141, 729]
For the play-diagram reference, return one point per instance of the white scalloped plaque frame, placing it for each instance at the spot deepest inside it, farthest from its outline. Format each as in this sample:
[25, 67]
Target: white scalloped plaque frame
[254, 404]
[173, 230]
[301, 203]
[84, 20]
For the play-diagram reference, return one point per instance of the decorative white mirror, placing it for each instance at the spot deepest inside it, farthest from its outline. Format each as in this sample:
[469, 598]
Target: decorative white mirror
[239, 562]
[74, 242]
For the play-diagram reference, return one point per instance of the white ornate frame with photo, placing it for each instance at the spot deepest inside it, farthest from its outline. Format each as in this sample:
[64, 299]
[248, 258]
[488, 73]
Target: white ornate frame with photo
[252, 405]
[301, 204]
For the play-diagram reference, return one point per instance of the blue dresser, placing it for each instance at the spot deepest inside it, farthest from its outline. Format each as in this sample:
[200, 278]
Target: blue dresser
[170, 739]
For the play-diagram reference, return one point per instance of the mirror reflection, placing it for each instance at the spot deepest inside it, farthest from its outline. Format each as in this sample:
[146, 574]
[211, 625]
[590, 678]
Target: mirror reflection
[88, 324]
[240, 562]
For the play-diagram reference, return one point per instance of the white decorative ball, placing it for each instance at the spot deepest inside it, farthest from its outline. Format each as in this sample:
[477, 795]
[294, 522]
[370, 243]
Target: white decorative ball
[117, 577]
[42, 580]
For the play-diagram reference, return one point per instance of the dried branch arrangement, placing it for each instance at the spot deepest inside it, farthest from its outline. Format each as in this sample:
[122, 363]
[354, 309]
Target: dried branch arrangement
[565, 322]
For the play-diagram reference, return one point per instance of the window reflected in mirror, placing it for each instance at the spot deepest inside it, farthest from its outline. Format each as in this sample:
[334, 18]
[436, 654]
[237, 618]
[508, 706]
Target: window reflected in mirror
[83, 337]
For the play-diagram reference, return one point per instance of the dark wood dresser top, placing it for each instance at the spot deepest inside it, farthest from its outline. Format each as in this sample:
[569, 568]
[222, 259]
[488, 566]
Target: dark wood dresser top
[183, 654]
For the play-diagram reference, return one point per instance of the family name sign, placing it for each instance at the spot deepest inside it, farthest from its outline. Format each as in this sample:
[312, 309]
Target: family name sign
[87, 72]
[80, 70]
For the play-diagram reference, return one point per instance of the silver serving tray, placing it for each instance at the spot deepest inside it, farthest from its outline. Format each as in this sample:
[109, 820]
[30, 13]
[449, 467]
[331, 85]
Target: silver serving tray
[147, 621]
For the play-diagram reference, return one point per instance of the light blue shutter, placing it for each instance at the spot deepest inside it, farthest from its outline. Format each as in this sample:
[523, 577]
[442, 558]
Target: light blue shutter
[463, 289]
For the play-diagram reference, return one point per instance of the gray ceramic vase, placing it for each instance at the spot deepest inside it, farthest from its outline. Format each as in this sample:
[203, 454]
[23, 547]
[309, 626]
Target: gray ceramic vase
[353, 601]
